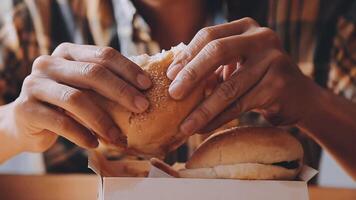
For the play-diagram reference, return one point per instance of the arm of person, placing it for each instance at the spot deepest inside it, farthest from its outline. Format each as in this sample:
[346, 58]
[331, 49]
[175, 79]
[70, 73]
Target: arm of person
[56, 96]
[332, 124]
[9, 147]
[55, 100]
[260, 76]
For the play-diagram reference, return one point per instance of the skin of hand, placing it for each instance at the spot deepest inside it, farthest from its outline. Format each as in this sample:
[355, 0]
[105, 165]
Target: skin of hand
[54, 98]
[257, 74]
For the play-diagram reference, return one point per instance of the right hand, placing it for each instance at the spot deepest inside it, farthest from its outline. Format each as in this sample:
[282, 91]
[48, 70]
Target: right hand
[54, 99]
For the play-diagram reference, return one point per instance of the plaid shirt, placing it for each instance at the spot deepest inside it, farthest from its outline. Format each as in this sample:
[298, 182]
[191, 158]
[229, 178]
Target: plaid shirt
[319, 35]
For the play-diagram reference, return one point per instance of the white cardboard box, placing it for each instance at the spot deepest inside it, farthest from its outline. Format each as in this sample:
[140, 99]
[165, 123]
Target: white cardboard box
[160, 185]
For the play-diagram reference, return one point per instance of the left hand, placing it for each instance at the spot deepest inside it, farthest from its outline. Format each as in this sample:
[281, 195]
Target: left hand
[258, 75]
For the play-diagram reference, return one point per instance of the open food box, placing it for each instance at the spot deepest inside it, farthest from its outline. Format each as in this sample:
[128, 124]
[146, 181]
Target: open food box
[160, 185]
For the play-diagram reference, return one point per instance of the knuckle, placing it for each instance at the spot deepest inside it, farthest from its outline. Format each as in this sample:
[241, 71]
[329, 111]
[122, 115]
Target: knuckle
[23, 108]
[29, 87]
[279, 83]
[72, 96]
[185, 56]
[270, 36]
[279, 59]
[28, 83]
[250, 21]
[94, 71]
[279, 80]
[62, 48]
[279, 63]
[228, 90]
[266, 30]
[41, 63]
[282, 73]
[189, 74]
[63, 45]
[122, 89]
[207, 34]
[214, 48]
[204, 113]
[105, 53]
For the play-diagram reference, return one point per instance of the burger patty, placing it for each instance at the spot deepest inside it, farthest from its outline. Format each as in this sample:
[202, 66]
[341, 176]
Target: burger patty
[294, 164]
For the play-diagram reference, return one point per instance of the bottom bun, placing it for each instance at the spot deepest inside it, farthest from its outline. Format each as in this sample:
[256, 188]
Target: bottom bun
[246, 171]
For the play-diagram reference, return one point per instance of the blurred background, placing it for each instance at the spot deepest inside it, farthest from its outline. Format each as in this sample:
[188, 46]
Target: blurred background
[330, 174]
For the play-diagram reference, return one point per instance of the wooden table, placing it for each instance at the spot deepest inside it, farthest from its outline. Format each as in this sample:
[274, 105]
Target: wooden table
[51, 187]
[64, 187]
[321, 193]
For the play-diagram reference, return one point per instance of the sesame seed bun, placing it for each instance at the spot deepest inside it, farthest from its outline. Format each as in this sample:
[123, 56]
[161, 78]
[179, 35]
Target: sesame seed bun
[156, 131]
[247, 153]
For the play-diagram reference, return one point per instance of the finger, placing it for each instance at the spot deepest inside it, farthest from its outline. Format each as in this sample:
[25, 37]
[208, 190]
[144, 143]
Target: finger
[164, 167]
[206, 35]
[219, 70]
[216, 53]
[228, 70]
[258, 98]
[107, 57]
[210, 85]
[226, 93]
[61, 124]
[81, 106]
[92, 76]
[255, 98]
[253, 44]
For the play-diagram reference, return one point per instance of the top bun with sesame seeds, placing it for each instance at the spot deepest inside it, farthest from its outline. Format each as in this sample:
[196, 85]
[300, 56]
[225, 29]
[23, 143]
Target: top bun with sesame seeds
[156, 131]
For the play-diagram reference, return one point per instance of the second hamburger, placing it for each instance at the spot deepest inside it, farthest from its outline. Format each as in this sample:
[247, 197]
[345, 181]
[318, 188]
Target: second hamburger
[258, 153]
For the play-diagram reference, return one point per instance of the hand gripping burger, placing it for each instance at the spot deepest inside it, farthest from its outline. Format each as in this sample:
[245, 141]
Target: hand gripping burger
[247, 153]
[156, 131]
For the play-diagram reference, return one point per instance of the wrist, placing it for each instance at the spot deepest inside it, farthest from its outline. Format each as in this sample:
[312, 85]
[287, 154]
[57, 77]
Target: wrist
[316, 111]
[331, 123]
[9, 142]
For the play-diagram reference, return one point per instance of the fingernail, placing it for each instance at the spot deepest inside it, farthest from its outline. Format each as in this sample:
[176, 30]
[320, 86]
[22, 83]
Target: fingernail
[141, 103]
[188, 126]
[172, 70]
[175, 90]
[144, 81]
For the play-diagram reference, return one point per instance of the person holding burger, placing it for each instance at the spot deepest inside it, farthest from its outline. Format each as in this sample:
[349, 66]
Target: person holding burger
[259, 75]
[246, 65]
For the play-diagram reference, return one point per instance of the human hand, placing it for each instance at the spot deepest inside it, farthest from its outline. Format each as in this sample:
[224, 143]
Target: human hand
[55, 97]
[258, 75]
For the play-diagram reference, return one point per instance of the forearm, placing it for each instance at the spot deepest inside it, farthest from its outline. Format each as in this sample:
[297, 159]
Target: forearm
[8, 146]
[332, 123]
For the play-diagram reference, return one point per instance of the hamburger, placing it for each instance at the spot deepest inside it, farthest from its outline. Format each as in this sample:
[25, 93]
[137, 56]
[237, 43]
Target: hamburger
[156, 131]
[253, 153]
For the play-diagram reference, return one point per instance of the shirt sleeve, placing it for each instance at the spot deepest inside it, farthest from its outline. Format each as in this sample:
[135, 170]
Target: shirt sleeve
[342, 76]
[18, 49]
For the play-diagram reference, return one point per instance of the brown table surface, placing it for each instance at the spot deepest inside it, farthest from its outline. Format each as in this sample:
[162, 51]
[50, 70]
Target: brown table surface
[64, 187]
